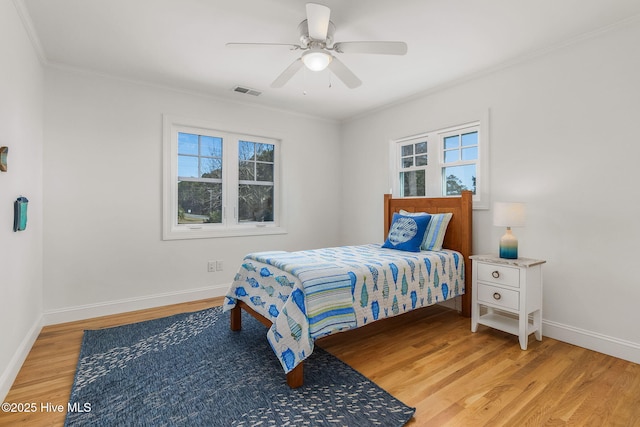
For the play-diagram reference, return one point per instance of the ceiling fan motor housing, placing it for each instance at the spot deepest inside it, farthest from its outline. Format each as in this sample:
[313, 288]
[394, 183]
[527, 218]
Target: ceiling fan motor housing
[306, 41]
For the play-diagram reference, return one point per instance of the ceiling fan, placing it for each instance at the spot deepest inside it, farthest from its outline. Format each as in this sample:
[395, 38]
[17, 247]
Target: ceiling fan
[316, 42]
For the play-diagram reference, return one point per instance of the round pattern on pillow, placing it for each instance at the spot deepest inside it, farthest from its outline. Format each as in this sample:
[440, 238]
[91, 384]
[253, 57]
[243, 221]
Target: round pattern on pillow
[406, 233]
[402, 230]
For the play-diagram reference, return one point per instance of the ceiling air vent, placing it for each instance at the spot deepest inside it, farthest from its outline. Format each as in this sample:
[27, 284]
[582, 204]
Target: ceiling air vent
[246, 90]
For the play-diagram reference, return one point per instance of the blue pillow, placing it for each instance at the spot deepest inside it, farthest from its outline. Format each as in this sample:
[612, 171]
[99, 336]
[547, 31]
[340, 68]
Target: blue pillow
[407, 232]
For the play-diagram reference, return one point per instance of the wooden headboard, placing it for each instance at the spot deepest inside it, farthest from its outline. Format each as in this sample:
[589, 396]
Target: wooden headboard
[458, 237]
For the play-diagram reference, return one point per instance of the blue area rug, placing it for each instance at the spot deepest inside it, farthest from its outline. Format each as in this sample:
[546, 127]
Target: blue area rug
[191, 369]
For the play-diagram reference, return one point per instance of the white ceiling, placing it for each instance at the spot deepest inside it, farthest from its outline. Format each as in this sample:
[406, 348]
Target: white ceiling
[181, 43]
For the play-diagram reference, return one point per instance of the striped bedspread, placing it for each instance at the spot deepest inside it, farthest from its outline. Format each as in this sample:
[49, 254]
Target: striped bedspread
[310, 294]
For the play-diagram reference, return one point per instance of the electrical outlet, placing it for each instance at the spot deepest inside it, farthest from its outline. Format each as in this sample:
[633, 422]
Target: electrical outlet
[219, 265]
[211, 266]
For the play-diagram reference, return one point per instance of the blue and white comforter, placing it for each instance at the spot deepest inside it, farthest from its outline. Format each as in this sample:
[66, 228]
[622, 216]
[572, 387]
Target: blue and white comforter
[310, 294]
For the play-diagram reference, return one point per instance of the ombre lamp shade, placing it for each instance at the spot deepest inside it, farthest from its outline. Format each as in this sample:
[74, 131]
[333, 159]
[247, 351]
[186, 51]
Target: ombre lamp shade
[508, 214]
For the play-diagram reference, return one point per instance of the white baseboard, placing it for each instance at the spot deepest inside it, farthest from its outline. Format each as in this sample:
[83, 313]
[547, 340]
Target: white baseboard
[72, 314]
[11, 372]
[616, 347]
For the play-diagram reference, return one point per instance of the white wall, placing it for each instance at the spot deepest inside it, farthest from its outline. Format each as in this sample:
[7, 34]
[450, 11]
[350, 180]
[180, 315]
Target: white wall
[564, 139]
[21, 94]
[103, 250]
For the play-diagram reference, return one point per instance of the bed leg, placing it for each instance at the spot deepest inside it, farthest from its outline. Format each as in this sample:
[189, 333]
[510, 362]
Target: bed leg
[295, 377]
[236, 318]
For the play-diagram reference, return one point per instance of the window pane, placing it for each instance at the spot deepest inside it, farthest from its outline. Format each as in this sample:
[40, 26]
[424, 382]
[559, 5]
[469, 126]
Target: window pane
[246, 171]
[199, 202]
[188, 167]
[187, 143]
[421, 147]
[421, 160]
[407, 150]
[459, 178]
[210, 146]
[407, 162]
[255, 203]
[451, 156]
[469, 139]
[211, 168]
[264, 152]
[264, 172]
[413, 183]
[246, 150]
[470, 153]
[451, 141]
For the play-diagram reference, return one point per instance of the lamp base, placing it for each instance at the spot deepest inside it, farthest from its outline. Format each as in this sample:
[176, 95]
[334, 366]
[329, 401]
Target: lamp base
[509, 245]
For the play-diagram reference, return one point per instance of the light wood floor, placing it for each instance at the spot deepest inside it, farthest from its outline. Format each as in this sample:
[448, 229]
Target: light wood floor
[428, 359]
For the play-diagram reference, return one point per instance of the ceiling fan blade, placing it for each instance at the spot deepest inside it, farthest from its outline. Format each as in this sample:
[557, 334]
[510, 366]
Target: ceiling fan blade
[344, 74]
[251, 45]
[384, 48]
[287, 74]
[318, 21]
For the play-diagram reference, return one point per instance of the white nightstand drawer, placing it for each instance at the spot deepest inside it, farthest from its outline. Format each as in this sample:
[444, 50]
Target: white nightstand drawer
[499, 274]
[498, 297]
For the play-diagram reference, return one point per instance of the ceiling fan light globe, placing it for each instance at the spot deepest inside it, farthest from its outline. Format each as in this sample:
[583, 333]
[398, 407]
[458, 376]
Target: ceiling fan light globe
[316, 60]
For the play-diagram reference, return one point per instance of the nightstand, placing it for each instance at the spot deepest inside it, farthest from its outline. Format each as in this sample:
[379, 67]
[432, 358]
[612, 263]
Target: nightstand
[507, 295]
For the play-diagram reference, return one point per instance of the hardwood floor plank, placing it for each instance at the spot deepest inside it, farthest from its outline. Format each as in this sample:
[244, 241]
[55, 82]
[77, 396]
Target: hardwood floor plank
[428, 359]
[589, 393]
[574, 375]
[614, 408]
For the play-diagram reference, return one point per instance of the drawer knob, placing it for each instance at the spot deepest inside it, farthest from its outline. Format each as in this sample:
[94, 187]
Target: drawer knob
[495, 274]
[496, 296]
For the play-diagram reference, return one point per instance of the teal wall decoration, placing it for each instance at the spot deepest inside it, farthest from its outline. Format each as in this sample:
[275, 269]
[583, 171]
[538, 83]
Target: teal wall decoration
[20, 213]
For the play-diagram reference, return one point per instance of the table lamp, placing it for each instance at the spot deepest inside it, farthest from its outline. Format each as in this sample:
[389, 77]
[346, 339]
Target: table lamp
[508, 214]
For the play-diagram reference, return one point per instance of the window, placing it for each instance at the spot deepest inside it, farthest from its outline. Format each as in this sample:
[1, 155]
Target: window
[256, 169]
[460, 158]
[413, 162]
[199, 179]
[218, 183]
[442, 163]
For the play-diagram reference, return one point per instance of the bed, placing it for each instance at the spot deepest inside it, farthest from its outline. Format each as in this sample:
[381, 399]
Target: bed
[302, 296]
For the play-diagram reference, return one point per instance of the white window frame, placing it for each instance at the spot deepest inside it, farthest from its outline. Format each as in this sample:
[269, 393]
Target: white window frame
[435, 152]
[424, 138]
[230, 226]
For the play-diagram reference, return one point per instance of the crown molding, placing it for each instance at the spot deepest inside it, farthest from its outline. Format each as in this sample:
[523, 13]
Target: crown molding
[27, 23]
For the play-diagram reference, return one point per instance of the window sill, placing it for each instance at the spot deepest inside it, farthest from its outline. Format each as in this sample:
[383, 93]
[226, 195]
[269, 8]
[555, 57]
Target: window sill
[184, 233]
